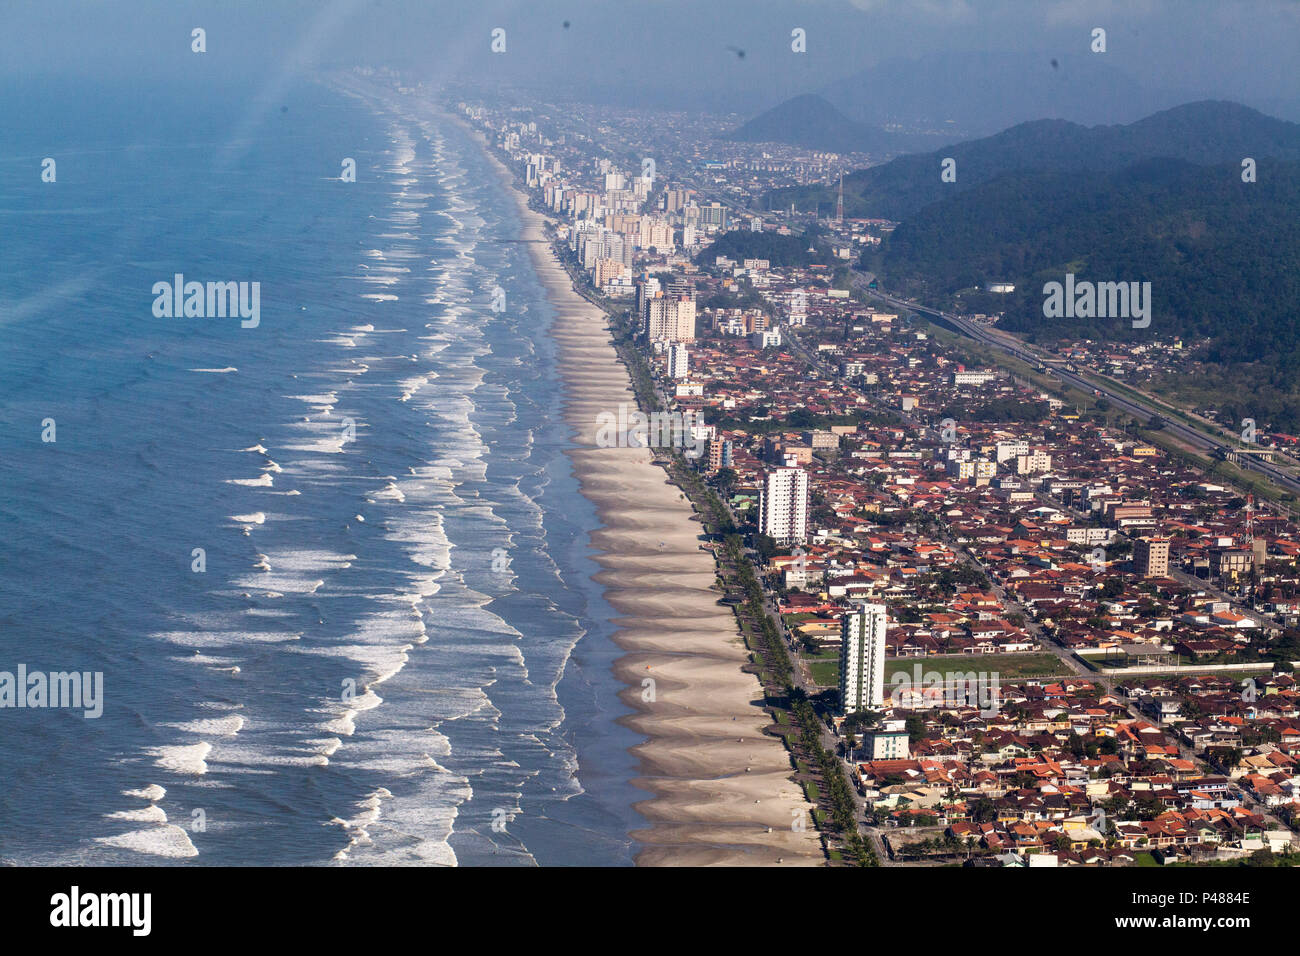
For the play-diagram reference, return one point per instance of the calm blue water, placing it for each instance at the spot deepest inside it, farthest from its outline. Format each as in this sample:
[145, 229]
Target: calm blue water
[353, 676]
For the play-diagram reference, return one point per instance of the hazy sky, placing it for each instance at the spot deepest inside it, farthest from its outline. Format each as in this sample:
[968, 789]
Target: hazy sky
[669, 51]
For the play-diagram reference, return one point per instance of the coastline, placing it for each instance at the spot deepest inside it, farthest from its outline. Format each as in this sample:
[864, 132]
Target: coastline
[717, 783]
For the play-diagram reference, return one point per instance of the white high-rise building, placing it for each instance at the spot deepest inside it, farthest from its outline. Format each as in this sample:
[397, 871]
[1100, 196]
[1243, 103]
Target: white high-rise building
[862, 658]
[679, 361]
[798, 314]
[670, 318]
[646, 289]
[783, 505]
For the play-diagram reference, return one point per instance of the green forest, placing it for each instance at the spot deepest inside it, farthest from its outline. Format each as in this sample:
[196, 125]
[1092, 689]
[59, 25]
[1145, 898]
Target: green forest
[1222, 255]
[783, 252]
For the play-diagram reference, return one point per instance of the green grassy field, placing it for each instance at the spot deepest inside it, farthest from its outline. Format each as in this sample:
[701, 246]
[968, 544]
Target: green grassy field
[1006, 666]
[826, 673]
[825, 670]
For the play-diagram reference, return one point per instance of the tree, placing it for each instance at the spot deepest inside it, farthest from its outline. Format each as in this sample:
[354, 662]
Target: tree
[915, 728]
[860, 721]
[1148, 807]
[850, 742]
[766, 547]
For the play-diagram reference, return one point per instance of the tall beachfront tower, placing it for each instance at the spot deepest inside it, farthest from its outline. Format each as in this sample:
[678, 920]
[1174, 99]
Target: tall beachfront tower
[862, 658]
[783, 504]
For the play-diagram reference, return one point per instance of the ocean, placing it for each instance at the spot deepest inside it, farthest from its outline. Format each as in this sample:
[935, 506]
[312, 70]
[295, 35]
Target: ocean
[333, 567]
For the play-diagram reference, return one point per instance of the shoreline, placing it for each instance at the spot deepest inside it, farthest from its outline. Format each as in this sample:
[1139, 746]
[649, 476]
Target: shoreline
[716, 782]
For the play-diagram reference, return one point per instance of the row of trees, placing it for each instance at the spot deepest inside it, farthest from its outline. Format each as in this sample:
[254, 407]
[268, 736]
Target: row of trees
[776, 661]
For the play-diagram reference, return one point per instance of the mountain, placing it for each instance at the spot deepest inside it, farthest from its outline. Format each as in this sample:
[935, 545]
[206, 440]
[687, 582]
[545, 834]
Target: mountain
[1205, 132]
[978, 93]
[1222, 258]
[810, 121]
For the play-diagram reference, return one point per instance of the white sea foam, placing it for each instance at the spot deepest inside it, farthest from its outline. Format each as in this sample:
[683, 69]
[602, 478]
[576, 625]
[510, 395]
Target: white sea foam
[369, 811]
[167, 840]
[327, 746]
[150, 814]
[223, 638]
[292, 571]
[329, 444]
[411, 386]
[212, 726]
[327, 400]
[219, 664]
[390, 492]
[265, 480]
[151, 792]
[183, 759]
[345, 724]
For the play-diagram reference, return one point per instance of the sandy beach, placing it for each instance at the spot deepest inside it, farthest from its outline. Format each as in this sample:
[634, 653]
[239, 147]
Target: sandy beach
[717, 784]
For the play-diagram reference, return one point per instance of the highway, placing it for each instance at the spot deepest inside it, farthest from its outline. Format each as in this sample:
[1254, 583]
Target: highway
[1191, 436]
